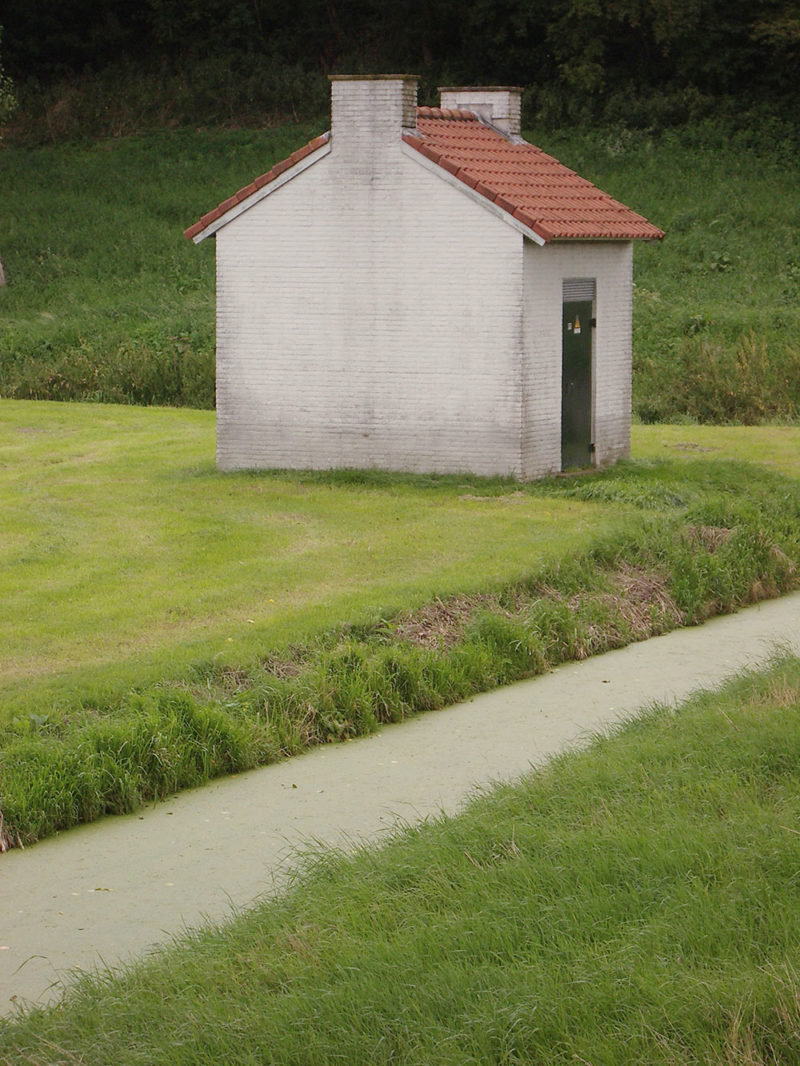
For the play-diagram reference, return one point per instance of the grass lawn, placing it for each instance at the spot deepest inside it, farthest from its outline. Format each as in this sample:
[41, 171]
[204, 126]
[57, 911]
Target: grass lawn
[774, 447]
[162, 623]
[125, 550]
[633, 903]
[127, 556]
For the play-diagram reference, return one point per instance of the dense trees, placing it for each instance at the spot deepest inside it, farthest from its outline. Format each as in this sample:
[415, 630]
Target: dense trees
[8, 98]
[649, 60]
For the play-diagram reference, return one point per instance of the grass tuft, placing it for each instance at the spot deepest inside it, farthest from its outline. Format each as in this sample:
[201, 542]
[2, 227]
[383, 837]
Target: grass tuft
[633, 902]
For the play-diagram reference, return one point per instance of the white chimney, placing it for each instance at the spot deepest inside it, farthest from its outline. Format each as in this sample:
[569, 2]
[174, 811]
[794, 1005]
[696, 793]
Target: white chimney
[370, 111]
[499, 104]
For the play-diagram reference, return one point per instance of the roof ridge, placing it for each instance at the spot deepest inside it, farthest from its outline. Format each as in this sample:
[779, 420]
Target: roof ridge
[545, 196]
[447, 112]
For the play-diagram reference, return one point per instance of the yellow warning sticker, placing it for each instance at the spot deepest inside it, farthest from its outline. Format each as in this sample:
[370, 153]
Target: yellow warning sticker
[577, 324]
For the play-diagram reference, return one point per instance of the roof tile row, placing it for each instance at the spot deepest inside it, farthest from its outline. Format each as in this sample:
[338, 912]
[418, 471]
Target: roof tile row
[446, 112]
[534, 188]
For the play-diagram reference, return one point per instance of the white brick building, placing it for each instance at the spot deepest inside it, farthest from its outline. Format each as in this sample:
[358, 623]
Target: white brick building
[416, 290]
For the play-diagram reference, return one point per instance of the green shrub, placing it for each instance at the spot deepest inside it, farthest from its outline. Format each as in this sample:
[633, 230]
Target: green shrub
[131, 98]
[174, 372]
[707, 380]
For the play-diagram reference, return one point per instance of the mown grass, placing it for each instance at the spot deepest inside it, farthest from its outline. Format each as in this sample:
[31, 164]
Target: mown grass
[164, 623]
[634, 902]
[121, 539]
[107, 301]
[774, 447]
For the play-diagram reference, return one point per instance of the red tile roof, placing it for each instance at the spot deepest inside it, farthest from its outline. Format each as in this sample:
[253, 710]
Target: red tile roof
[541, 193]
[545, 196]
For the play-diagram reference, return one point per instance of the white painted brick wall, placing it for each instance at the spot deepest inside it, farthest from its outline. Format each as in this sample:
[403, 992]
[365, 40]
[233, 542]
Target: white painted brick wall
[611, 263]
[369, 315]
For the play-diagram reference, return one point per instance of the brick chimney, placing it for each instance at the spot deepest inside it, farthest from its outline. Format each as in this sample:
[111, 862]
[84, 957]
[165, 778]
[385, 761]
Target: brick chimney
[370, 111]
[499, 104]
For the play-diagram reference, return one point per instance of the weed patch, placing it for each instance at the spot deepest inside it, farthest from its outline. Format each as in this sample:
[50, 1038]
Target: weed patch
[749, 380]
[437, 625]
[167, 371]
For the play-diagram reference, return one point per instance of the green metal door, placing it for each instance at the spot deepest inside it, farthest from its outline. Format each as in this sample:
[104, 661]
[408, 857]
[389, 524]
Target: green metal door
[576, 384]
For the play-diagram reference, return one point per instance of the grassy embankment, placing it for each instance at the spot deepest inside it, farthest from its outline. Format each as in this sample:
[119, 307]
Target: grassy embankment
[107, 301]
[635, 902]
[163, 623]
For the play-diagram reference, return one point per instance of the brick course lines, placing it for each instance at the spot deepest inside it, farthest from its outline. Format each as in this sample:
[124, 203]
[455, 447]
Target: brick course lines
[333, 345]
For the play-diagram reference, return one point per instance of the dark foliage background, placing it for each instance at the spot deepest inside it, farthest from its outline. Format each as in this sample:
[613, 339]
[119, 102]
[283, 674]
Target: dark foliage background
[644, 62]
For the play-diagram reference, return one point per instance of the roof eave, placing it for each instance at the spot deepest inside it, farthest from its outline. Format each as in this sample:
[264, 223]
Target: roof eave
[647, 238]
[239, 203]
[459, 183]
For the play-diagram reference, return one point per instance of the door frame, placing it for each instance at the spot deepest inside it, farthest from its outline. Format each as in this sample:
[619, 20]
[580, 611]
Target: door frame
[581, 290]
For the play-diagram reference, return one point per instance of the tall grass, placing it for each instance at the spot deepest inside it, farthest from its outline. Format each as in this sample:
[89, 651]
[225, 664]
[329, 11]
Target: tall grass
[131, 98]
[716, 312]
[107, 301]
[749, 380]
[633, 903]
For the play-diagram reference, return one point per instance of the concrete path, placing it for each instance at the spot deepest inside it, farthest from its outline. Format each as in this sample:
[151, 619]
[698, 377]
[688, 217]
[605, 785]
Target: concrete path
[107, 892]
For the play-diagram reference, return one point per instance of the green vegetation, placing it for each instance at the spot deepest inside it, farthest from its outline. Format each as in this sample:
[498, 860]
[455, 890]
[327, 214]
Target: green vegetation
[107, 301]
[122, 542]
[8, 96]
[635, 902]
[163, 623]
[774, 447]
[716, 304]
[148, 62]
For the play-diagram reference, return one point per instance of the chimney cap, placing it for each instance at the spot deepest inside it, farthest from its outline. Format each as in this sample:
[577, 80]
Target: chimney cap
[373, 77]
[479, 88]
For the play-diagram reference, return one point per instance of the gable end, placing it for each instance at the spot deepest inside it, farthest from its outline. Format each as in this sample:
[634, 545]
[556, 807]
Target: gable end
[260, 188]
